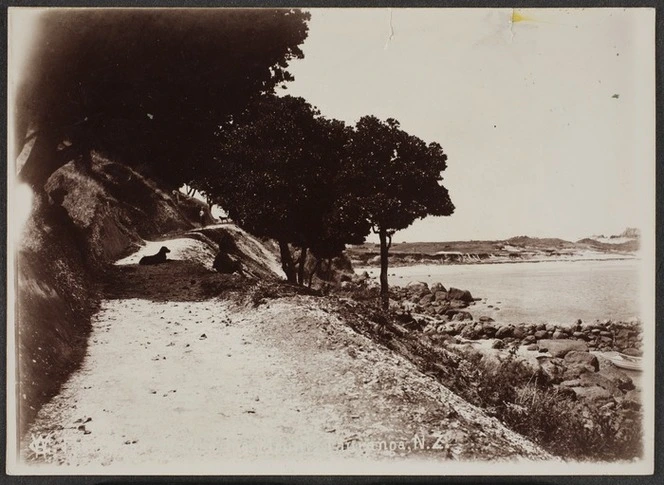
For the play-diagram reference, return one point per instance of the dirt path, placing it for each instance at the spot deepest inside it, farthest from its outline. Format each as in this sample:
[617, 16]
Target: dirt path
[177, 382]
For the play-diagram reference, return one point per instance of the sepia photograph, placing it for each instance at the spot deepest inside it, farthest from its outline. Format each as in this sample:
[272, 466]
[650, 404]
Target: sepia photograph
[268, 241]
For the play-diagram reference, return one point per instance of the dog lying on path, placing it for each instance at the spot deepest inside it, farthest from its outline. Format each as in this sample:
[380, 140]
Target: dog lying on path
[158, 258]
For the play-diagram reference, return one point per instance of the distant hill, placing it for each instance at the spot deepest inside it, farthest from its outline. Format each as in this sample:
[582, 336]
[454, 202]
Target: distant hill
[539, 242]
[628, 245]
[514, 249]
[628, 240]
[631, 232]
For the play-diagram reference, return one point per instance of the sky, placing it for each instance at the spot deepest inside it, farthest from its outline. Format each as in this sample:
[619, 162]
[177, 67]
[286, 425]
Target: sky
[547, 116]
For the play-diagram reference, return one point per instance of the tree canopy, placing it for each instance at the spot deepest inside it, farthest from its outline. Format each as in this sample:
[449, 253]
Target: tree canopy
[148, 85]
[188, 96]
[396, 178]
[284, 171]
[277, 173]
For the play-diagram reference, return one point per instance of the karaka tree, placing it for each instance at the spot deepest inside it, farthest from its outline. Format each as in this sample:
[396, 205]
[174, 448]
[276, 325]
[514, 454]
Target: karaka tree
[276, 173]
[331, 220]
[395, 178]
[151, 86]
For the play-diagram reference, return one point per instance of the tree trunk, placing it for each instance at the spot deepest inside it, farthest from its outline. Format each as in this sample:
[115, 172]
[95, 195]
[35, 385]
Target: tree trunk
[329, 270]
[384, 288]
[314, 271]
[287, 262]
[301, 265]
[327, 276]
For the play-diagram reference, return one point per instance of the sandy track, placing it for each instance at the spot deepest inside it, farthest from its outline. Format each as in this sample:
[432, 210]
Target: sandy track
[179, 384]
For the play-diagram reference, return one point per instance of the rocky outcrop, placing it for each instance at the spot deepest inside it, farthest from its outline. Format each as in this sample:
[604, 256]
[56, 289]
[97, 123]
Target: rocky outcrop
[112, 207]
[446, 314]
[437, 302]
[563, 354]
[239, 251]
[585, 376]
[418, 288]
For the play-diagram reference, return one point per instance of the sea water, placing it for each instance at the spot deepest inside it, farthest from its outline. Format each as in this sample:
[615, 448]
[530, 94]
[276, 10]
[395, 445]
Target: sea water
[537, 292]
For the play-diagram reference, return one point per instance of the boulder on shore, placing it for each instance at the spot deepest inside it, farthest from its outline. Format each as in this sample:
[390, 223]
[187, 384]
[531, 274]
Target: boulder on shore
[593, 393]
[498, 344]
[574, 370]
[418, 287]
[457, 294]
[620, 378]
[596, 379]
[503, 332]
[469, 333]
[363, 277]
[488, 329]
[553, 368]
[584, 358]
[438, 287]
[519, 332]
[461, 316]
[560, 347]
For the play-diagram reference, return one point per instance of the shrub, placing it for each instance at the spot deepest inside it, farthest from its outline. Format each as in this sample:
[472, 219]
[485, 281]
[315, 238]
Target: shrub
[263, 291]
[521, 398]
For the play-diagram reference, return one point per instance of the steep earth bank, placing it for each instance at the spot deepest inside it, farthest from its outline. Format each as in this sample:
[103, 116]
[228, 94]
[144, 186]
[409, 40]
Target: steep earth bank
[84, 220]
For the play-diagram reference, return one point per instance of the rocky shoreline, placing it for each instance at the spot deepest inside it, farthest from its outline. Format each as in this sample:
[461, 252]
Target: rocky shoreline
[572, 359]
[401, 260]
[445, 311]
